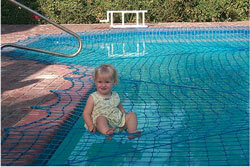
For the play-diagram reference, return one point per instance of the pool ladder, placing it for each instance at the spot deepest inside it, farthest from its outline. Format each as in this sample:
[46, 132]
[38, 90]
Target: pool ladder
[53, 23]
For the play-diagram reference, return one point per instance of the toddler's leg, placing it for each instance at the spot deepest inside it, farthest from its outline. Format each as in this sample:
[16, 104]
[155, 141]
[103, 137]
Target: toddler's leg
[131, 122]
[102, 126]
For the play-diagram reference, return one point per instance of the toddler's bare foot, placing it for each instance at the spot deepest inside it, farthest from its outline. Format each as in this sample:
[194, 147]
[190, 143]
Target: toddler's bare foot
[109, 132]
[134, 135]
[108, 138]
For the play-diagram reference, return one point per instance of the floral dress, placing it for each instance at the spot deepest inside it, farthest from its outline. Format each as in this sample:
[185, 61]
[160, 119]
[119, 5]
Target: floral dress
[108, 107]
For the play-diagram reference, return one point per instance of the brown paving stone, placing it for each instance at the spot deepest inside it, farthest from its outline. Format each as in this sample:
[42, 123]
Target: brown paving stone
[22, 87]
[34, 115]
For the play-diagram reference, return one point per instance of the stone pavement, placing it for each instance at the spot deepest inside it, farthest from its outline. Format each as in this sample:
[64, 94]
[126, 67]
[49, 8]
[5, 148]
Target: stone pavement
[25, 83]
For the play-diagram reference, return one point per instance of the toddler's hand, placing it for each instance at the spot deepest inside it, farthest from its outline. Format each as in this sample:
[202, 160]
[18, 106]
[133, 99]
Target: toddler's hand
[92, 129]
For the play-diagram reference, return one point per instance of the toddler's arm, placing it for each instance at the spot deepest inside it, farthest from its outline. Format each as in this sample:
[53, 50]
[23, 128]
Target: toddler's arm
[121, 108]
[87, 114]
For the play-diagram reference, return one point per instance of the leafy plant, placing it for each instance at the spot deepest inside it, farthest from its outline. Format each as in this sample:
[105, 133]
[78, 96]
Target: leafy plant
[91, 11]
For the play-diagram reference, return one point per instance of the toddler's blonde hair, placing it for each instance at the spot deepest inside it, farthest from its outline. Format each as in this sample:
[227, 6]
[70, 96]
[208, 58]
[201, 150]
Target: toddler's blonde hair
[106, 69]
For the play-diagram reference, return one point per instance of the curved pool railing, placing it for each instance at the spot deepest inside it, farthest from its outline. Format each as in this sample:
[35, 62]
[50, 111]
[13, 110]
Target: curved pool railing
[53, 23]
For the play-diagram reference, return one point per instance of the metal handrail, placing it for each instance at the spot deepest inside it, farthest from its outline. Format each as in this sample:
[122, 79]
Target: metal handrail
[55, 24]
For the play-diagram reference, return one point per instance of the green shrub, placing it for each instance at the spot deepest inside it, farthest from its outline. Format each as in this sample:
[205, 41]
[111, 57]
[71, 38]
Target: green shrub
[91, 11]
[221, 10]
[63, 11]
[11, 14]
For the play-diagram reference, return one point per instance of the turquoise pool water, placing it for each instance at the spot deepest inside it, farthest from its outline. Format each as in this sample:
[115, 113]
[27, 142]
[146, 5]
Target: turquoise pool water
[188, 86]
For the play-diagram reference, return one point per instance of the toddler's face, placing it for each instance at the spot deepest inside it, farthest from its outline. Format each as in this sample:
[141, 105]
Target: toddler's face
[104, 85]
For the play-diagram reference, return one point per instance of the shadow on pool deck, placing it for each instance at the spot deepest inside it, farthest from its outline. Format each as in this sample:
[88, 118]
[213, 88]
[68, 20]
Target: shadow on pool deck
[25, 83]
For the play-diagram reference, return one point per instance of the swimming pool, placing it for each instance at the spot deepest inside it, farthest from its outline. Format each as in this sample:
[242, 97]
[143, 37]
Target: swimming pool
[188, 87]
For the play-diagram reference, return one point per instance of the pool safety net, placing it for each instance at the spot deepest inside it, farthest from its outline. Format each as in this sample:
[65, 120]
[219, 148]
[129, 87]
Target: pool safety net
[188, 87]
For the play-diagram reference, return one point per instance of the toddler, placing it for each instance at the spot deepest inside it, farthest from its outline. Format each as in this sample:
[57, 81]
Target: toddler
[103, 111]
